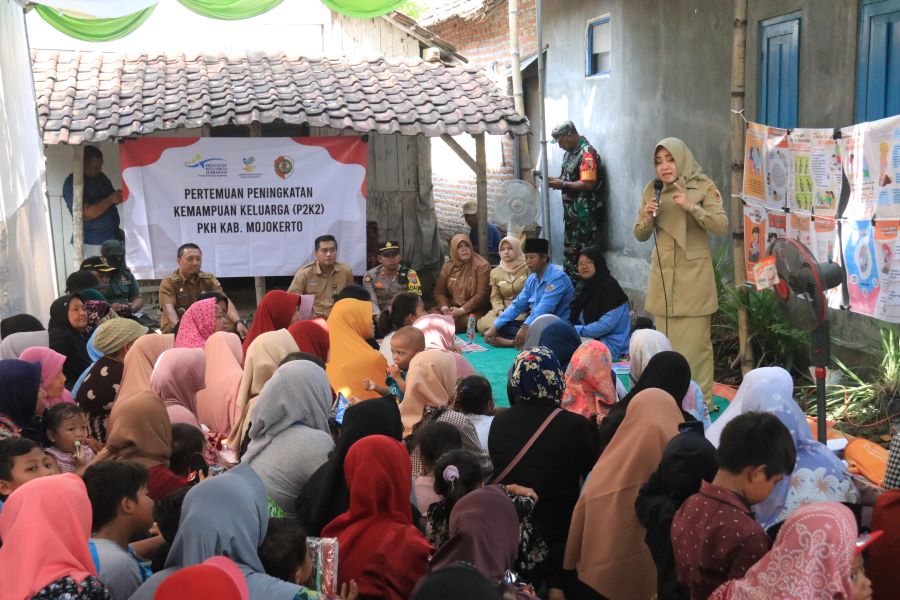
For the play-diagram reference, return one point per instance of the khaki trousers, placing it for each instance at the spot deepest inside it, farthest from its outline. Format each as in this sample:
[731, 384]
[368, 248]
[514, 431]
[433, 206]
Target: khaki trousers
[690, 337]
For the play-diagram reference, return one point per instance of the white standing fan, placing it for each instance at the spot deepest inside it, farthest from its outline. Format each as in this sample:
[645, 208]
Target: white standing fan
[518, 207]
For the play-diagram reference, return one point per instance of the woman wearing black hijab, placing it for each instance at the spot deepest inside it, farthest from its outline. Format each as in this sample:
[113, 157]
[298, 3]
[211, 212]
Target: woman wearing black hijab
[19, 324]
[667, 371]
[600, 308]
[69, 335]
[689, 459]
[326, 495]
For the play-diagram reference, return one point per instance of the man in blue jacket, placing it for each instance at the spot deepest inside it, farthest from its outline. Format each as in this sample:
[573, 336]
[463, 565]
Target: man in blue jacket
[548, 291]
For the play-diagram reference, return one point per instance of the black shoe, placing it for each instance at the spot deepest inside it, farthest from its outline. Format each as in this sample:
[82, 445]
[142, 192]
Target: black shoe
[148, 322]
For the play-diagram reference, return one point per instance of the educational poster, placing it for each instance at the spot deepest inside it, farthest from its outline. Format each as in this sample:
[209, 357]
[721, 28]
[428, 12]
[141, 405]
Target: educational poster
[754, 165]
[861, 202]
[776, 226]
[800, 183]
[882, 152]
[778, 167]
[254, 205]
[824, 237]
[799, 229]
[861, 262]
[825, 171]
[754, 237]
[887, 254]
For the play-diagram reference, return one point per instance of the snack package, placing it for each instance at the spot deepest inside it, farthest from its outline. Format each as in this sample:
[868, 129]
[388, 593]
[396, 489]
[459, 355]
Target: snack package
[324, 555]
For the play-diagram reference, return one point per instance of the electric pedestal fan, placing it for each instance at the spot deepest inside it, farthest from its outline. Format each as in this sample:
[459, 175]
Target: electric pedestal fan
[801, 287]
[519, 206]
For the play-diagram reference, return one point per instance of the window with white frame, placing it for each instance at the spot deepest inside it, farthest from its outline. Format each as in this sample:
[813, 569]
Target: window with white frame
[599, 43]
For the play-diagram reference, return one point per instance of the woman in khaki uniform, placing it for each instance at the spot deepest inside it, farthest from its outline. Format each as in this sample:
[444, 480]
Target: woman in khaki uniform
[463, 287]
[507, 280]
[681, 294]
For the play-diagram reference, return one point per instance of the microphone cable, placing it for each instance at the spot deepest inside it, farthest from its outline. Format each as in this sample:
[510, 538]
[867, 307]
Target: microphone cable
[657, 188]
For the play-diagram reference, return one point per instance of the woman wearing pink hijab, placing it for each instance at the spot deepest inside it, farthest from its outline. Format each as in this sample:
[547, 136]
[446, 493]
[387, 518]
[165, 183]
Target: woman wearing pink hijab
[53, 380]
[202, 319]
[439, 331]
[177, 377]
[217, 402]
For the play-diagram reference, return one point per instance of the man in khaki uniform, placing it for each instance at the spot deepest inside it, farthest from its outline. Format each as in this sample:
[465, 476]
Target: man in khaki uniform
[184, 286]
[390, 278]
[324, 277]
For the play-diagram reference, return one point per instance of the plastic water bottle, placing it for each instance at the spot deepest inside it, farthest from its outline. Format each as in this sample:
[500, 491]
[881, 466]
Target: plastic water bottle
[470, 329]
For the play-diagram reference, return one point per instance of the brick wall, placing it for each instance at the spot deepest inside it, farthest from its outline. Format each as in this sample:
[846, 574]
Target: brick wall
[485, 42]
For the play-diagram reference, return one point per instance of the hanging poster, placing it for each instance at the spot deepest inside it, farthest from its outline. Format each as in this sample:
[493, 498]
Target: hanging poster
[754, 165]
[253, 205]
[778, 167]
[825, 170]
[799, 229]
[887, 253]
[754, 237]
[824, 237]
[800, 183]
[861, 201]
[861, 264]
[882, 151]
[776, 226]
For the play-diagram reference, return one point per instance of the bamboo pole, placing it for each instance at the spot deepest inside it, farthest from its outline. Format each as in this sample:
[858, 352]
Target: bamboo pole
[542, 125]
[78, 203]
[481, 194]
[738, 71]
[516, 65]
[259, 283]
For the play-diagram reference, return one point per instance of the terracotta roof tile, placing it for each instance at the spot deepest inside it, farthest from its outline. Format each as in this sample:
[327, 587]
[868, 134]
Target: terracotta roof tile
[88, 97]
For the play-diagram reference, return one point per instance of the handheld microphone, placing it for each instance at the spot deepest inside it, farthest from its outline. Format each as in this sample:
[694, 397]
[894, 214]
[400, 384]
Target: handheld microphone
[657, 189]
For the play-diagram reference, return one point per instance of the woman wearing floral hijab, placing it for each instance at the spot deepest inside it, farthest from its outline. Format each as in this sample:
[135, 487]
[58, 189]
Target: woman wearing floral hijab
[819, 476]
[812, 559]
[202, 319]
[590, 381]
[562, 455]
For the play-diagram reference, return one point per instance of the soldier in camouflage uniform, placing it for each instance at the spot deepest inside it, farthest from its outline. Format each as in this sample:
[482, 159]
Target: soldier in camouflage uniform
[580, 183]
[389, 278]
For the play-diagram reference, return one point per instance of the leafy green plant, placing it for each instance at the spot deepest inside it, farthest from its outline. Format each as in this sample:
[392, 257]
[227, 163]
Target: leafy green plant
[865, 400]
[775, 342]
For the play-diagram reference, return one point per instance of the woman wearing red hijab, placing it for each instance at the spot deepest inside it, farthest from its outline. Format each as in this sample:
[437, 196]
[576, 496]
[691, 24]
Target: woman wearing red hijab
[312, 337]
[380, 547]
[277, 310]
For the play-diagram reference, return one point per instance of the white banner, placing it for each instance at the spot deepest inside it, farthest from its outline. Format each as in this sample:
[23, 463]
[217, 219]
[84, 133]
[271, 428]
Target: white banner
[253, 205]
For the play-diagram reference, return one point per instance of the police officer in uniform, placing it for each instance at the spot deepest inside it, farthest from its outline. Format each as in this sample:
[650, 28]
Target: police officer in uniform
[386, 281]
[580, 182]
[183, 287]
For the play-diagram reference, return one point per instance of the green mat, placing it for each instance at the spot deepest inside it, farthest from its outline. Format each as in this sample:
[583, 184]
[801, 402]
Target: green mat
[495, 363]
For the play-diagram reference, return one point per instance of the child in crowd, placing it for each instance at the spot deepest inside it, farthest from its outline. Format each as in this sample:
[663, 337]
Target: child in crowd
[434, 440]
[714, 535]
[66, 429]
[406, 307]
[167, 515]
[475, 399]
[188, 444]
[456, 473]
[405, 344]
[122, 509]
[284, 553]
[21, 460]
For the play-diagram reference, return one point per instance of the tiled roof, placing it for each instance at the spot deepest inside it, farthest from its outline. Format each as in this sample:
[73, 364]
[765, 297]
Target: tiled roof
[92, 96]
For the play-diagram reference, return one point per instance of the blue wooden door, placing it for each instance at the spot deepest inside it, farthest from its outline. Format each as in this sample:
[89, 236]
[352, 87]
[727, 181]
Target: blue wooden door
[779, 64]
[878, 60]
